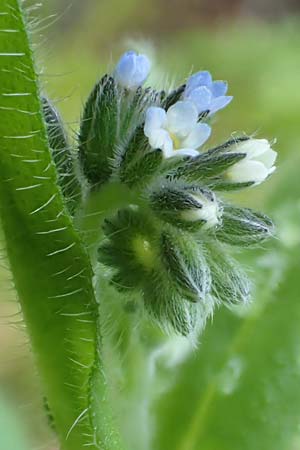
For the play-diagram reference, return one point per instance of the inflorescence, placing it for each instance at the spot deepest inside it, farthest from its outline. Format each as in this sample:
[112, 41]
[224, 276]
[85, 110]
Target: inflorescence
[170, 243]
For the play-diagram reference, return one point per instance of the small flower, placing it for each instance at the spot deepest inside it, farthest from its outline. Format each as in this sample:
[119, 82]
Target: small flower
[207, 95]
[257, 165]
[177, 131]
[187, 207]
[132, 70]
[207, 211]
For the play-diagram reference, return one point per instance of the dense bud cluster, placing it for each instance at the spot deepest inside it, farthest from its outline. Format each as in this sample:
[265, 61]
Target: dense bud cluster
[170, 242]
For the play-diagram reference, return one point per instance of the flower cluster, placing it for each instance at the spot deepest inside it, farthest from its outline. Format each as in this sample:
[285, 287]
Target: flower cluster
[170, 242]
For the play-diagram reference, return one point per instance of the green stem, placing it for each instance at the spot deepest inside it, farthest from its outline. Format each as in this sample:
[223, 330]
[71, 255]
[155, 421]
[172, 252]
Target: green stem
[51, 268]
[123, 351]
[99, 205]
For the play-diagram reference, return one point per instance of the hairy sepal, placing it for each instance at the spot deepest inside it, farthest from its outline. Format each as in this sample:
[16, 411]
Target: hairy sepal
[244, 227]
[63, 156]
[230, 284]
[98, 132]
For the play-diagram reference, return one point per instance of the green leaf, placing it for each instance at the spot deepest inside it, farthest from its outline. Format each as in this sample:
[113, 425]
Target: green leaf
[51, 269]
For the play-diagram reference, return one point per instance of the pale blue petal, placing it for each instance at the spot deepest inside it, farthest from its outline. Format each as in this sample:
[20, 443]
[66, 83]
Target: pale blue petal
[143, 66]
[132, 70]
[185, 152]
[201, 97]
[199, 134]
[125, 68]
[155, 118]
[199, 79]
[181, 118]
[219, 88]
[162, 140]
[219, 103]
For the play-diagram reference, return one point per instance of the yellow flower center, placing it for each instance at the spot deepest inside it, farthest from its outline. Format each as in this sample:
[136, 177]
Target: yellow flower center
[176, 141]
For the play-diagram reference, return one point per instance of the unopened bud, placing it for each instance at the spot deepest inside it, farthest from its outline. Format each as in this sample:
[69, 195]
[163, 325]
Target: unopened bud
[132, 70]
[256, 166]
[189, 207]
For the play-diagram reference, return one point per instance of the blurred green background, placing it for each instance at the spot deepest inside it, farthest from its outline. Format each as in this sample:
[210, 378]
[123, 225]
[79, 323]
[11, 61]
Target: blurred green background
[252, 44]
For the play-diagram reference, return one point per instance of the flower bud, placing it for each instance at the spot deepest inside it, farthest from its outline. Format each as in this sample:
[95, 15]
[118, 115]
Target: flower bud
[207, 210]
[257, 164]
[177, 296]
[188, 207]
[165, 265]
[185, 264]
[230, 285]
[132, 70]
[98, 132]
[244, 227]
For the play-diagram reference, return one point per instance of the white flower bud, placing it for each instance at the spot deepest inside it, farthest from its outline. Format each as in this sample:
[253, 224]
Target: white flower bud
[257, 165]
[132, 70]
[208, 210]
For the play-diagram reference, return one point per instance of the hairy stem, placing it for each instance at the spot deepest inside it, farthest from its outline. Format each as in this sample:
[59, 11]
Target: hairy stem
[51, 268]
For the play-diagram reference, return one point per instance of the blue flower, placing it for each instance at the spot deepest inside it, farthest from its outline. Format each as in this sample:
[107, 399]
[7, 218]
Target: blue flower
[132, 70]
[206, 94]
[177, 131]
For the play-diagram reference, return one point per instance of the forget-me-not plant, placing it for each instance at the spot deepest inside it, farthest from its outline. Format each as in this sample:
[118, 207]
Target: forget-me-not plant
[161, 242]
[127, 231]
[130, 235]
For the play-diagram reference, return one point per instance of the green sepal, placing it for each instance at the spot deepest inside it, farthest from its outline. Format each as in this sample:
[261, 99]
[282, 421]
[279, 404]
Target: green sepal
[230, 284]
[185, 263]
[170, 311]
[171, 199]
[207, 166]
[98, 131]
[132, 108]
[164, 265]
[130, 248]
[132, 150]
[170, 166]
[140, 173]
[219, 149]
[173, 97]
[63, 156]
[220, 184]
[244, 227]
[169, 295]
